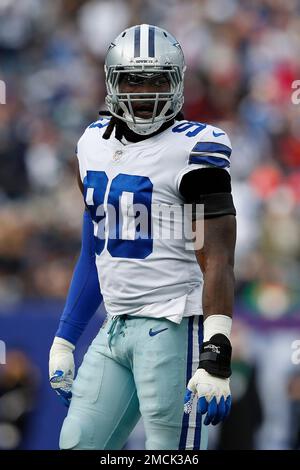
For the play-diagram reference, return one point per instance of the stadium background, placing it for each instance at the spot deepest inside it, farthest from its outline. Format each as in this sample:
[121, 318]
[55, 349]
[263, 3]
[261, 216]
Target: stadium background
[242, 58]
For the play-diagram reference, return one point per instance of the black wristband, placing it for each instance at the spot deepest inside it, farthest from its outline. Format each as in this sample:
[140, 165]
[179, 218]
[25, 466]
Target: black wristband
[215, 356]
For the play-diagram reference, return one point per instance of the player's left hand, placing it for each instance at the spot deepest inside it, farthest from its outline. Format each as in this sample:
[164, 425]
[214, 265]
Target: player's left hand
[213, 394]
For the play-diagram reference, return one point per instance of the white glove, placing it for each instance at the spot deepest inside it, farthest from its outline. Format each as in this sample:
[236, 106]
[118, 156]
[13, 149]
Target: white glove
[213, 394]
[62, 368]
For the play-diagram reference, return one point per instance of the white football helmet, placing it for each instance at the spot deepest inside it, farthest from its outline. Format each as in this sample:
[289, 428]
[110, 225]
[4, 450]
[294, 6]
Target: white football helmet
[149, 50]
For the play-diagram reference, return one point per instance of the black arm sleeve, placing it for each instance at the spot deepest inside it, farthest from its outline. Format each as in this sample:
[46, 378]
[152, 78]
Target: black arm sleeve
[211, 187]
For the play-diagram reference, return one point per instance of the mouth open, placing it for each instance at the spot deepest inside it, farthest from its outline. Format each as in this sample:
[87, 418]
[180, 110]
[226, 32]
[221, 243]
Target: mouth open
[144, 110]
[143, 114]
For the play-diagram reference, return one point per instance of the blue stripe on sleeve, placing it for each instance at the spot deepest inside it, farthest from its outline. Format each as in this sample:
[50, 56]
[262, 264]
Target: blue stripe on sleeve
[212, 147]
[208, 159]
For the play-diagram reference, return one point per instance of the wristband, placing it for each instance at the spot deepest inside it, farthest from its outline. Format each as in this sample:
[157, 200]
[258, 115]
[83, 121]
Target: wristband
[215, 356]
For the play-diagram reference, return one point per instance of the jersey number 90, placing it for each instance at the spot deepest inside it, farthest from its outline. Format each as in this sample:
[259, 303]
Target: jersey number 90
[128, 236]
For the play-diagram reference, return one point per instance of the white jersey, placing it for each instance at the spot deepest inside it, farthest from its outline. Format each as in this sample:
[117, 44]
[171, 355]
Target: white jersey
[145, 265]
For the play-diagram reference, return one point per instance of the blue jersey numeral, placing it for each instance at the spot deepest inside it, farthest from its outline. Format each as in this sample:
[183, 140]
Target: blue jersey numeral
[133, 188]
[184, 126]
[100, 123]
[95, 184]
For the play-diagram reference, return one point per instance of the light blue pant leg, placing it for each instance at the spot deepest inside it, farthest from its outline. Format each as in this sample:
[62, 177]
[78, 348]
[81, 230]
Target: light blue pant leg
[104, 408]
[163, 364]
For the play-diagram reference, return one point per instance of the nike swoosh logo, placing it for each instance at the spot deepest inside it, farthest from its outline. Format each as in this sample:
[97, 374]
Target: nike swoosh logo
[154, 333]
[217, 134]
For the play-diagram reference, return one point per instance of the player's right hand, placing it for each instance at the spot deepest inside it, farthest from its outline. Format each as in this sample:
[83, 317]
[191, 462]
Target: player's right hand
[62, 368]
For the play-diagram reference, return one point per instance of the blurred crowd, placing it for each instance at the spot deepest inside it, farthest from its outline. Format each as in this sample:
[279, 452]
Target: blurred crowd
[242, 59]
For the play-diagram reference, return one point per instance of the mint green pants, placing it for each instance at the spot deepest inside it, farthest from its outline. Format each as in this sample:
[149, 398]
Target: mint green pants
[136, 367]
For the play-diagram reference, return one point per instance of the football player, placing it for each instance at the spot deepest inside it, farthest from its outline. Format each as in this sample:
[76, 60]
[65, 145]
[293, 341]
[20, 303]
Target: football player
[164, 351]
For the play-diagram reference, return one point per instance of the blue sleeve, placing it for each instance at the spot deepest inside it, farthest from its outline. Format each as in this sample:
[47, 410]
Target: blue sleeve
[84, 296]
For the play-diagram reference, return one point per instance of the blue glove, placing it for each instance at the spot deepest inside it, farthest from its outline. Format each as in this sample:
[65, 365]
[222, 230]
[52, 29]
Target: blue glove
[213, 393]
